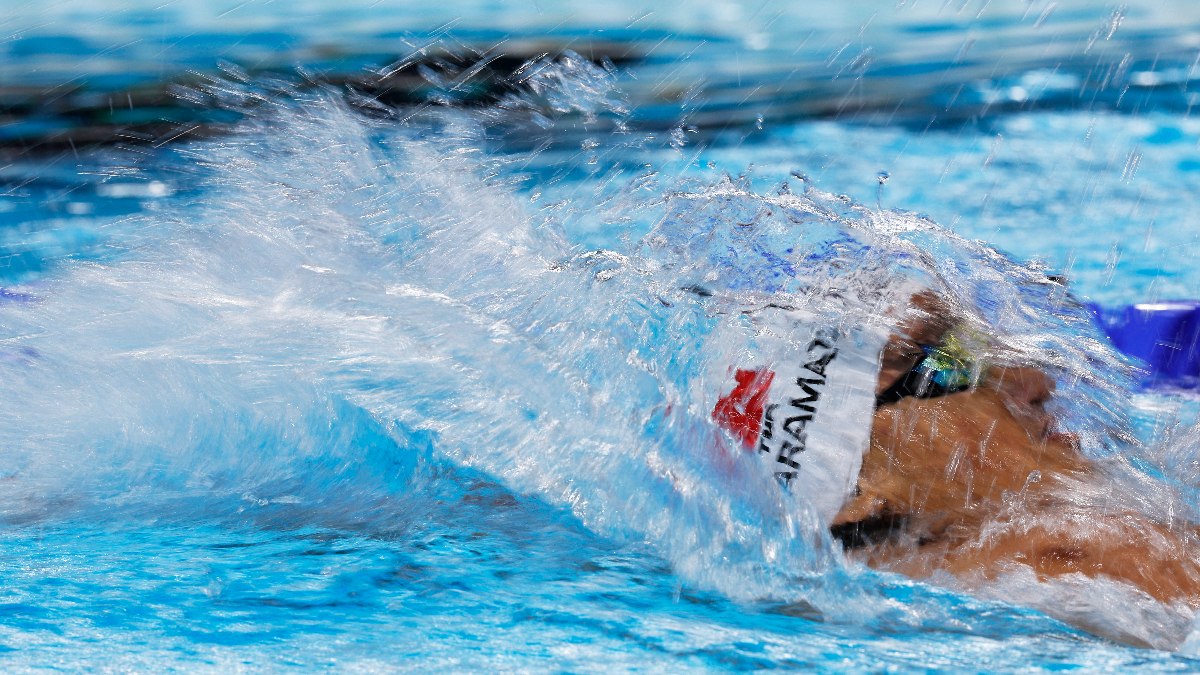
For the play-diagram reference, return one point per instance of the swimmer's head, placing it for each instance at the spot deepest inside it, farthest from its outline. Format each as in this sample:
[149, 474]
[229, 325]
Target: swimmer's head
[998, 431]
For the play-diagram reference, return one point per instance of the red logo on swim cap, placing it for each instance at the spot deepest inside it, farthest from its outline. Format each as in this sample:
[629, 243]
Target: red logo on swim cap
[740, 412]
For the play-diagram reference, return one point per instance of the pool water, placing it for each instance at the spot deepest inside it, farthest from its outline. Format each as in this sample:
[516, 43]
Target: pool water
[337, 389]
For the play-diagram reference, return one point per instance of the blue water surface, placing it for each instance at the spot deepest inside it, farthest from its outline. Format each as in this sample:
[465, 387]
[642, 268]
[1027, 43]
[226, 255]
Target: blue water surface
[304, 396]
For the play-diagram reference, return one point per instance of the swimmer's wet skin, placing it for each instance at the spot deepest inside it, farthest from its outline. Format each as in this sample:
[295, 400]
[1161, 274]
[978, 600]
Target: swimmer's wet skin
[968, 477]
[948, 468]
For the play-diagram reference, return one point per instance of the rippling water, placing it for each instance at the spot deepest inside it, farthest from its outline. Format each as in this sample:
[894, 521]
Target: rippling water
[337, 390]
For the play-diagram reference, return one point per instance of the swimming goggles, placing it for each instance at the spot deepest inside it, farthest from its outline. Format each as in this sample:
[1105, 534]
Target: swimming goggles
[944, 369]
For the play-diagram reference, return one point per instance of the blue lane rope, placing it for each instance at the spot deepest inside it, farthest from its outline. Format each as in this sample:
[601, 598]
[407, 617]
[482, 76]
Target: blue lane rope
[1164, 336]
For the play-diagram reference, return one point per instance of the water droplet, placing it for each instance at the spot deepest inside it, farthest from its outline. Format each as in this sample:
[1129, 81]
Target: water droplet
[963, 49]
[1050, 7]
[1111, 262]
[1108, 29]
[678, 139]
[882, 177]
[991, 156]
[1114, 21]
[1131, 164]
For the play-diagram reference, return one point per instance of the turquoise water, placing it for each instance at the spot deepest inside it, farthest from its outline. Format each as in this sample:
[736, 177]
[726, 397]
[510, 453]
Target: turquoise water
[341, 391]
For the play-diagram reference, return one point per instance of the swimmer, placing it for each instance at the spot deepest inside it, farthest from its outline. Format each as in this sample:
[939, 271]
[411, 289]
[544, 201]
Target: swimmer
[962, 471]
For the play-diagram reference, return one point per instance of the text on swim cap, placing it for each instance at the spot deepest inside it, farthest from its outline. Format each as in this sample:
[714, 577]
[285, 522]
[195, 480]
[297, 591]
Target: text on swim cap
[784, 434]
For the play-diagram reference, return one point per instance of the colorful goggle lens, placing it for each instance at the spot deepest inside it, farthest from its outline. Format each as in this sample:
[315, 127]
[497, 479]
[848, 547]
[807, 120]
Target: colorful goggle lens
[949, 365]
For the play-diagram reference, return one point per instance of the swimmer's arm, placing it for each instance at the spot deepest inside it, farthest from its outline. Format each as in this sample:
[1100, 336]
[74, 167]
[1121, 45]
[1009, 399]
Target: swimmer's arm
[1054, 541]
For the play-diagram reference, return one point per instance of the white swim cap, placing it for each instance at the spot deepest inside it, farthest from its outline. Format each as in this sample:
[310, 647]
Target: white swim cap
[806, 402]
